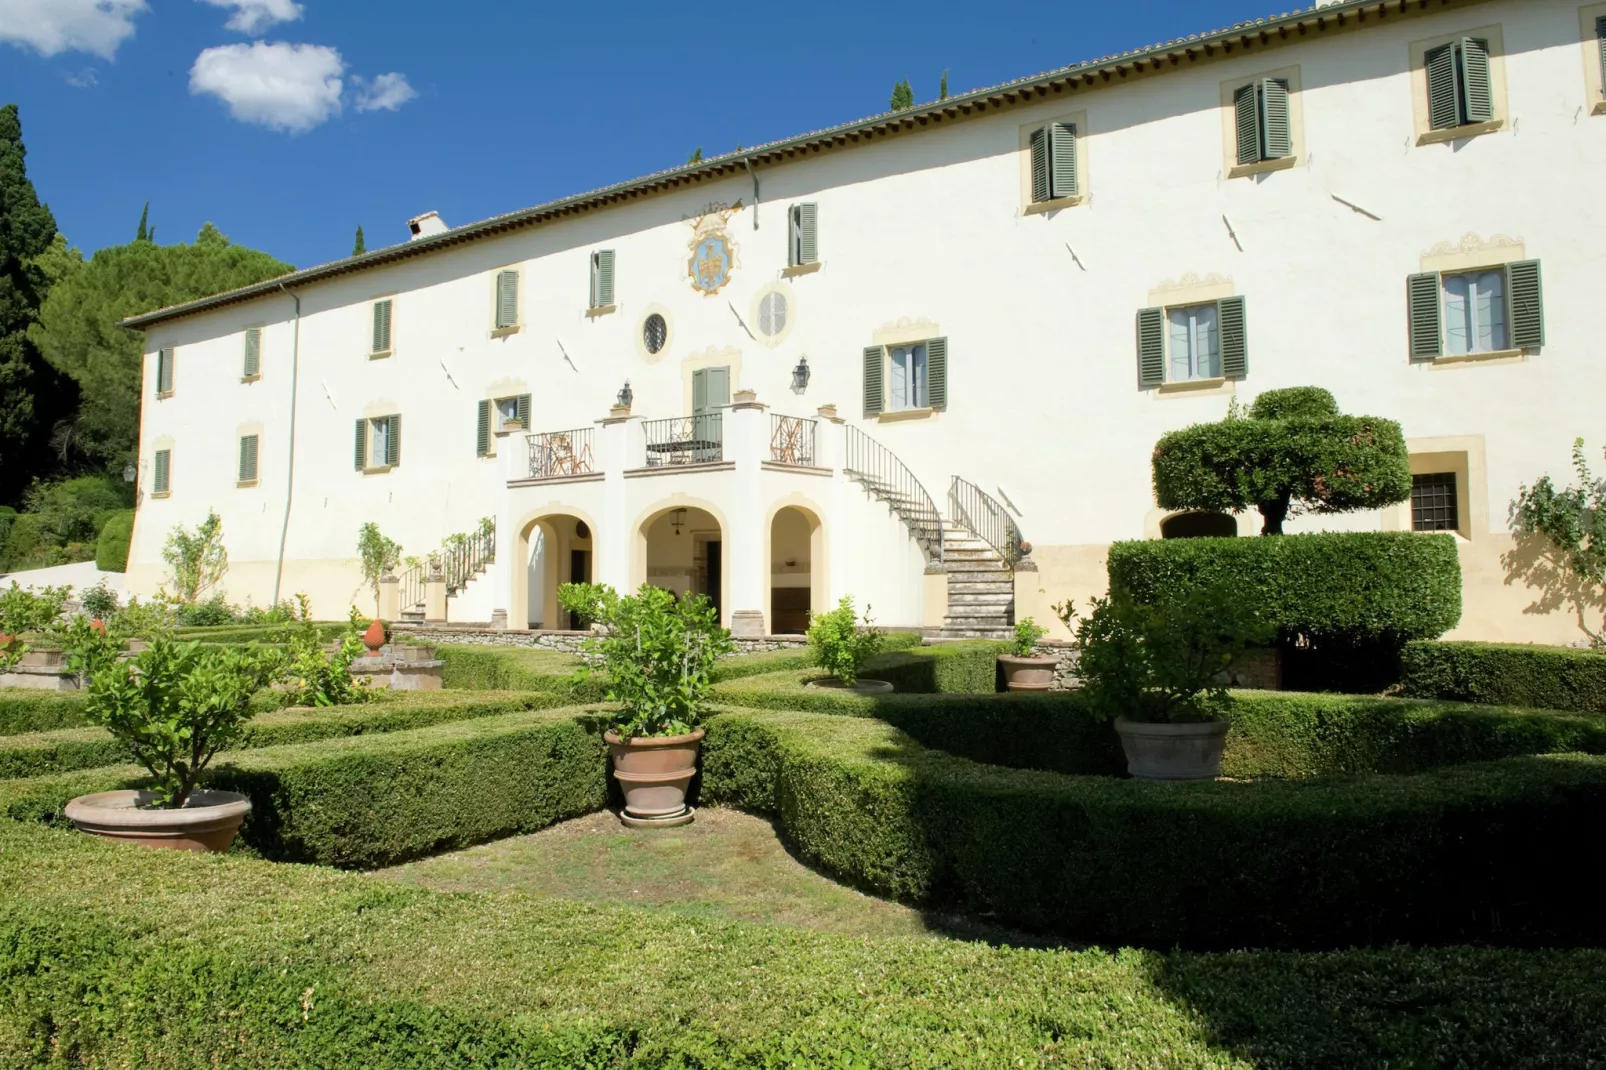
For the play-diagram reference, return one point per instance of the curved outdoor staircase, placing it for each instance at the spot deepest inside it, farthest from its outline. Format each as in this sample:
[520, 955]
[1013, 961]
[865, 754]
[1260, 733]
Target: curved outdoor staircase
[463, 560]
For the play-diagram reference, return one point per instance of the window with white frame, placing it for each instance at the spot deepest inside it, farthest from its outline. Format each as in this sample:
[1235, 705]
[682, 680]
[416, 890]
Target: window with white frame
[1193, 343]
[379, 438]
[1475, 312]
[508, 410]
[907, 384]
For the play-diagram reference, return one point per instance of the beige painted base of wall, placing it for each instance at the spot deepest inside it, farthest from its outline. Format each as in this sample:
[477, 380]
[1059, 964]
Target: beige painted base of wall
[333, 586]
[1063, 572]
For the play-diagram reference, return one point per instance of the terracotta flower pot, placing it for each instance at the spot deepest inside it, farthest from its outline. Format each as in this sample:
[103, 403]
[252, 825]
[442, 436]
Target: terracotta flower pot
[1173, 751]
[208, 823]
[374, 638]
[654, 773]
[1027, 673]
[98, 626]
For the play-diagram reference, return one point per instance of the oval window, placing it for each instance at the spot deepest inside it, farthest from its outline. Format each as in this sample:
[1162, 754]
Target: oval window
[772, 314]
[654, 333]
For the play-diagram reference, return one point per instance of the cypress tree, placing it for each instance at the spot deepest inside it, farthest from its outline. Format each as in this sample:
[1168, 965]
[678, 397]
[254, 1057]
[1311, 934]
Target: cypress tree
[361, 245]
[144, 217]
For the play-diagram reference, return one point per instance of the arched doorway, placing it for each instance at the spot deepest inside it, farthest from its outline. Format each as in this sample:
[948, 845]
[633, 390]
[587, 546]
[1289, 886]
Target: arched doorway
[1199, 526]
[686, 553]
[796, 569]
[554, 550]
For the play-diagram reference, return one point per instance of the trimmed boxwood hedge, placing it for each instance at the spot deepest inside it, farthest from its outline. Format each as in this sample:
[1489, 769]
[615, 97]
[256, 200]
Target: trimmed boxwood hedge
[23, 710]
[39, 753]
[1354, 588]
[239, 963]
[511, 668]
[1550, 677]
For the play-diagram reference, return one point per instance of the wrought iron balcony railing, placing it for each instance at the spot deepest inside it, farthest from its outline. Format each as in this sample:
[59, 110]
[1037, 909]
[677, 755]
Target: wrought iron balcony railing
[561, 453]
[792, 440]
[696, 439]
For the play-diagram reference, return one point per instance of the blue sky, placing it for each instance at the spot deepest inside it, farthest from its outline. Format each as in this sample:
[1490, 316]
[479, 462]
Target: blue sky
[289, 122]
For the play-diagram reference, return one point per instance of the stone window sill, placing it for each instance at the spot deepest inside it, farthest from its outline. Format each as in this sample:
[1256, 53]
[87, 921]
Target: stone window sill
[1244, 170]
[251, 378]
[382, 354]
[163, 395]
[506, 332]
[1196, 386]
[1496, 356]
[377, 470]
[1039, 207]
[161, 494]
[792, 271]
[897, 415]
[1600, 109]
[600, 310]
[1459, 133]
[243, 483]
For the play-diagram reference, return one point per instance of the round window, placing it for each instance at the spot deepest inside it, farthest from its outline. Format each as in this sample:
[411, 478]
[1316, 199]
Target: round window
[772, 314]
[654, 333]
[581, 530]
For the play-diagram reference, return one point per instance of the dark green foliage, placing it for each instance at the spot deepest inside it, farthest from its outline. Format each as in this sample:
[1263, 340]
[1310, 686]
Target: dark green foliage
[144, 232]
[23, 544]
[111, 549]
[1556, 678]
[39, 711]
[1351, 588]
[903, 96]
[1300, 455]
[359, 246]
[485, 668]
[969, 667]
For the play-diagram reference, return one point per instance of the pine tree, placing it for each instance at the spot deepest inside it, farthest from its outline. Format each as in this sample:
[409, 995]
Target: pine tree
[902, 96]
[144, 217]
[31, 396]
[361, 245]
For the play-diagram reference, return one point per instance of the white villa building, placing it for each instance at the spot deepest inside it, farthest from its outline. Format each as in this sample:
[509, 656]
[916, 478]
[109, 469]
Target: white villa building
[870, 359]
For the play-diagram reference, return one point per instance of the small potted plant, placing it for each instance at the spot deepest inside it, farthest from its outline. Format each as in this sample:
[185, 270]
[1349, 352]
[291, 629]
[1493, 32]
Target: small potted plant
[842, 647]
[1160, 673]
[1025, 670]
[174, 707]
[658, 650]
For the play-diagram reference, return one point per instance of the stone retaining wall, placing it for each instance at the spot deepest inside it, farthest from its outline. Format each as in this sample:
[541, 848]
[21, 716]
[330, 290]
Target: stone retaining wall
[568, 642]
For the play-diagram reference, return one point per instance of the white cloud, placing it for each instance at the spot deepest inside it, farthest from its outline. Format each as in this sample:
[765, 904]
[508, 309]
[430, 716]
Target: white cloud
[84, 79]
[281, 86]
[385, 93]
[254, 16]
[50, 27]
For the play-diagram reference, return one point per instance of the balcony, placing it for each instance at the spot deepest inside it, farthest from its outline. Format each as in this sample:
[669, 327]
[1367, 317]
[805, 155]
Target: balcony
[792, 440]
[685, 440]
[557, 455]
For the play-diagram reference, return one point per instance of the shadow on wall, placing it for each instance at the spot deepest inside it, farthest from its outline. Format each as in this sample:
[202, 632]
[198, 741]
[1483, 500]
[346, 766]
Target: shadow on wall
[1533, 562]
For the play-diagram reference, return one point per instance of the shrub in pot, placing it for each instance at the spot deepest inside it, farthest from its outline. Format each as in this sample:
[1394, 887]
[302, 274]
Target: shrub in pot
[842, 647]
[314, 676]
[25, 611]
[1025, 670]
[1160, 673]
[658, 651]
[174, 706]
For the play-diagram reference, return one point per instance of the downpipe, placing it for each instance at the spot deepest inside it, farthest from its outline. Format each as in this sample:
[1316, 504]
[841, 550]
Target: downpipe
[290, 467]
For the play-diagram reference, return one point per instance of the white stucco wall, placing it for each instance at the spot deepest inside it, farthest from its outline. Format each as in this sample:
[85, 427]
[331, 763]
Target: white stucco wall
[1039, 309]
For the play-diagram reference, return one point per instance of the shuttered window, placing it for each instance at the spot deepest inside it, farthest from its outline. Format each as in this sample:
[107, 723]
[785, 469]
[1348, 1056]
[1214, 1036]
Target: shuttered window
[163, 475]
[804, 244]
[1193, 342]
[1600, 41]
[1053, 149]
[482, 430]
[1263, 121]
[906, 377]
[380, 439]
[164, 372]
[874, 380]
[602, 278]
[248, 458]
[1465, 313]
[507, 299]
[253, 353]
[381, 340]
[1460, 87]
[499, 415]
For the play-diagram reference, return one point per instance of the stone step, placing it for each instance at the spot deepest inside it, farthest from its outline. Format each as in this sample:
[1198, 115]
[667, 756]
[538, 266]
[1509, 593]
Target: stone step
[980, 581]
[980, 598]
[977, 633]
[999, 621]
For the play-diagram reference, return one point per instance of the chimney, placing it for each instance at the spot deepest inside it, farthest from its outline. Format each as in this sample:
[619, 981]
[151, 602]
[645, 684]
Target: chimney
[427, 225]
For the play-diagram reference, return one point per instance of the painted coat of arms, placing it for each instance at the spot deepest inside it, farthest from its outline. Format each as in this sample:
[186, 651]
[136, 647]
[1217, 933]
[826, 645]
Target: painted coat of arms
[713, 254]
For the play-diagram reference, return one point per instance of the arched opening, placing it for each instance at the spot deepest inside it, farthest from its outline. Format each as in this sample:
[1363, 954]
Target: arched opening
[686, 553]
[796, 570]
[555, 550]
[1199, 526]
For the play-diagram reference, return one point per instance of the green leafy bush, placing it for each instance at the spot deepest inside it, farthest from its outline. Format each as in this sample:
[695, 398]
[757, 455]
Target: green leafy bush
[1027, 633]
[212, 613]
[111, 546]
[840, 646]
[1555, 678]
[196, 560]
[658, 650]
[26, 611]
[1354, 588]
[313, 676]
[40, 711]
[1570, 522]
[99, 601]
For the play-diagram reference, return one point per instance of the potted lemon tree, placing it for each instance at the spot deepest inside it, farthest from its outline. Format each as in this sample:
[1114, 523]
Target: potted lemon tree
[657, 650]
[842, 647]
[1025, 669]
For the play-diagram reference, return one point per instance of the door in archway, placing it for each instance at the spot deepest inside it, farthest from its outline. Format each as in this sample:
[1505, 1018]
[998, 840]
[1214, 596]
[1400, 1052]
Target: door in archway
[716, 560]
[579, 572]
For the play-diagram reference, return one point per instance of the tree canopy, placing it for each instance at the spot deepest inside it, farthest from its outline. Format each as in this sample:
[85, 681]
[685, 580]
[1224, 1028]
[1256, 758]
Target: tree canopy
[1294, 452]
[903, 96]
[78, 333]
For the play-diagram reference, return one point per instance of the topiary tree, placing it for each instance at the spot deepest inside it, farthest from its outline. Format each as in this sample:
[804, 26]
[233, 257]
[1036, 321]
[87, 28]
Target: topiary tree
[1293, 452]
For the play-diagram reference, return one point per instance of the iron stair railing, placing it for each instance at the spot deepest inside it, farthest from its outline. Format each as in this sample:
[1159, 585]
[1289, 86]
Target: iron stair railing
[461, 559]
[986, 518]
[879, 471]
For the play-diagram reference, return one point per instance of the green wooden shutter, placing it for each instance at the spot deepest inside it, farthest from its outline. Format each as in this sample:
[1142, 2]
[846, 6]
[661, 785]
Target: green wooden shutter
[808, 233]
[393, 451]
[1444, 91]
[253, 351]
[382, 326]
[1525, 304]
[164, 470]
[1234, 337]
[602, 278]
[1247, 119]
[1279, 127]
[937, 373]
[1041, 187]
[523, 411]
[1151, 347]
[874, 397]
[1475, 71]
[1600, 38]
[482, 440]
[362, 445]
[507, 299]
[248, 458]
[1426, 331]
[164, 371]
[1062, 139]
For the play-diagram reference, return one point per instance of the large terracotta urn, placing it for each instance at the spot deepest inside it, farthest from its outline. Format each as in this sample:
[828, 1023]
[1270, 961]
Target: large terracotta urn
[654, 773]
[1030, 673]
[208, 823]
[374, 638]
